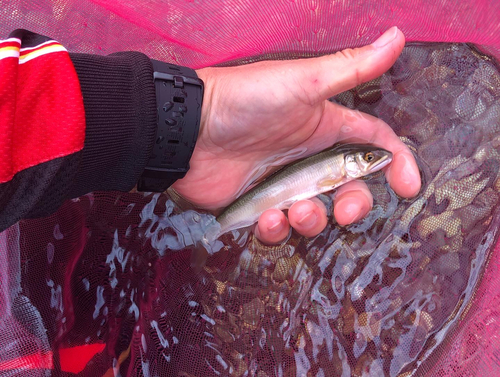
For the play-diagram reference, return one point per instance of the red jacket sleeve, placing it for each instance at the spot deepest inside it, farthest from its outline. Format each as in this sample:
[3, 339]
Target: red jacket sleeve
[69, 123]
[41, 105]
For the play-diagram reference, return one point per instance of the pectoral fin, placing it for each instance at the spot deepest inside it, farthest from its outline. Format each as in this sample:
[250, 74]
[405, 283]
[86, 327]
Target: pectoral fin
[329, 182]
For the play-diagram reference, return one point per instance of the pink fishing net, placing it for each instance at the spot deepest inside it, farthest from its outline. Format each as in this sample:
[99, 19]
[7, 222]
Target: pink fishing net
[117, 284]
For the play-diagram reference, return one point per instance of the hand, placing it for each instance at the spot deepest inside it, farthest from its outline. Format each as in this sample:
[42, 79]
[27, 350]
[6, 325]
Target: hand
[255, 113]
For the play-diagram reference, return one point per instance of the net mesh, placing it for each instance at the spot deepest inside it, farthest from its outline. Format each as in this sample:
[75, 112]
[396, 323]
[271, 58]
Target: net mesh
[114, 284]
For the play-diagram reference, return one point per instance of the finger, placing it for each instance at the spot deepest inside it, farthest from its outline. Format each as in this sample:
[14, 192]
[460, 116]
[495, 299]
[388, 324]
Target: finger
[352, 202]
[402, 174]
[272, 227]
[340, 124]
[329, 75]
[308, 217]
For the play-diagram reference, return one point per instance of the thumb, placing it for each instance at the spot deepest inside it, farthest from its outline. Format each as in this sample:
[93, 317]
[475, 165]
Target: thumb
[330, 75]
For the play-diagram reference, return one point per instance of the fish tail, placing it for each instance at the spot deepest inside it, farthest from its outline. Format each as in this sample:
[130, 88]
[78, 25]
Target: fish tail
[212, 232]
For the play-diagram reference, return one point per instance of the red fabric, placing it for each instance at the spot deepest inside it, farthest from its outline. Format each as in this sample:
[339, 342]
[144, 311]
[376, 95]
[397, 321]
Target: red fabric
[202, 33]
[9, 44]
[41, 108]
[35, 361]
[8, 78]
[72, 360]
[75, 359]
[29, 50]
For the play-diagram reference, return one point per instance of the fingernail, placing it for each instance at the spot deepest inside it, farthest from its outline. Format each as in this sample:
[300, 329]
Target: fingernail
[410, 176]
[275, 228]
[352, 209]
[386, 38]
[407, 172]
[308, 220]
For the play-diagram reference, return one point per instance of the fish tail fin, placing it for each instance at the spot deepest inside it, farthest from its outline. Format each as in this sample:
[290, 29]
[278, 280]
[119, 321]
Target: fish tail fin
[210, 235]
[212, 232]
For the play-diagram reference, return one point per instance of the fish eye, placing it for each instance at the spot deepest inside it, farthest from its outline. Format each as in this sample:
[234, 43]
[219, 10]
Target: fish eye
[369, 157]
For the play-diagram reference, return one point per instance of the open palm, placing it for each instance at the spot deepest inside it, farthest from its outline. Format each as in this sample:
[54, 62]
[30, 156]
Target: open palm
[267, 114]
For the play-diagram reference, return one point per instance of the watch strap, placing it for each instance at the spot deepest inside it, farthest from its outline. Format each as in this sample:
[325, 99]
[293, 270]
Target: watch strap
[179, 96]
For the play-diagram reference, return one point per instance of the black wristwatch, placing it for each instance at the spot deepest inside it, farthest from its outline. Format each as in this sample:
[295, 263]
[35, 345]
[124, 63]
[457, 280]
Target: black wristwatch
[179, 96]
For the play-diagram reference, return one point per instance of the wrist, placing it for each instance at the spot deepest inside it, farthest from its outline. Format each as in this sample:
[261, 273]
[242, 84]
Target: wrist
[204, 75]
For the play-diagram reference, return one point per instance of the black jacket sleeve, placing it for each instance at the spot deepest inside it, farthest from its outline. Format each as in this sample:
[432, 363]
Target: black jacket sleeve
[54, 148]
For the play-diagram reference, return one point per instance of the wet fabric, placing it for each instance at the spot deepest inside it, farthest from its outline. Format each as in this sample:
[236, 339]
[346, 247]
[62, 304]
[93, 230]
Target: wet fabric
[118, 284]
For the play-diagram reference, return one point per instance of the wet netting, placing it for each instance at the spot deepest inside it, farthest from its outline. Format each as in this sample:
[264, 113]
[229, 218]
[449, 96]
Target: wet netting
[116, 284]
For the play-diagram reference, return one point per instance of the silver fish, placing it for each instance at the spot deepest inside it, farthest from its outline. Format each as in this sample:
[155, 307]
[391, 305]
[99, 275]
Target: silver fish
[304, 179]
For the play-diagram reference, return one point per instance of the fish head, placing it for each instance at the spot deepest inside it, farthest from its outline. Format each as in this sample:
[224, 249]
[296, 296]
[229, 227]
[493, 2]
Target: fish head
[363, 160]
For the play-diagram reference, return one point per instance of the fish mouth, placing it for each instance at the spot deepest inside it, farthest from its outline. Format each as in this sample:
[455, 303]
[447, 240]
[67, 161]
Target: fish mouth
[383, 161]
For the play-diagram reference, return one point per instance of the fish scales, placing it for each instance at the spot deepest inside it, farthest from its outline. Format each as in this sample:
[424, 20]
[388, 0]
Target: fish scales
[304, 179]
[289, 185]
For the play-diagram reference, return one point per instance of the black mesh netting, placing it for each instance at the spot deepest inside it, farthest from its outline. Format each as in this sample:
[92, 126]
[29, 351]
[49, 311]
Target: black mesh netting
[116, 284]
